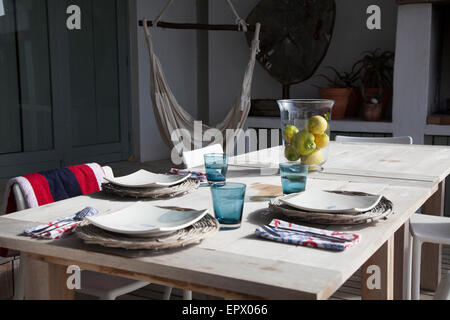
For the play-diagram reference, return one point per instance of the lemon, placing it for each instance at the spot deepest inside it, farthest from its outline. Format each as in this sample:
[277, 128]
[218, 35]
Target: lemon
[317, 125]
[291, 153]
[322, 140]
[314, 158]
[289, 133]
[304, 143]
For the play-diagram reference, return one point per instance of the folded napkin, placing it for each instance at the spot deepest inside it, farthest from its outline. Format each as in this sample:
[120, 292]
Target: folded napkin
[313, 241]
[194, 174]
[60, 227]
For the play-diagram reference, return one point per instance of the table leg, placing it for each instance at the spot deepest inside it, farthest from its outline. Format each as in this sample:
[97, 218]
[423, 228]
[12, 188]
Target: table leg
[401, 247]
[430, 273]
[45, 281]
[378, 274]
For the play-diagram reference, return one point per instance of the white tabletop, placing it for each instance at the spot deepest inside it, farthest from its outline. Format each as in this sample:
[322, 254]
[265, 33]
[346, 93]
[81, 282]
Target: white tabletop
[232, 261]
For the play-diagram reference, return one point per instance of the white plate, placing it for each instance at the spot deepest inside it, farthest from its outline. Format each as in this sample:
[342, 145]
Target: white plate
[145, 220]
[321, 201]
[146, 179]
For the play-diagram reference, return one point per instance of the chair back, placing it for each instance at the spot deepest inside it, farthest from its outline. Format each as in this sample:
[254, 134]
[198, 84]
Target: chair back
[195, 158]
[20, 198]
[394, 140]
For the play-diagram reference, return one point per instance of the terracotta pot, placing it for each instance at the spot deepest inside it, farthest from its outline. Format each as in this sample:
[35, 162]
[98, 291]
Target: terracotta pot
[373, 112]
[355, 102]
[340, 96]
[386, 96]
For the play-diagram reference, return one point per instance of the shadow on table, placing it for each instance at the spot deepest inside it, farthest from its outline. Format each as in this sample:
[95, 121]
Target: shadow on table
[75, 243]
[262, 217]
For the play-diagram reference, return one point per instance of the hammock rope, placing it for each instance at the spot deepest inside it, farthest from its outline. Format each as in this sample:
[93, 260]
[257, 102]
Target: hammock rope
[176, 125]
[239, 21]
[160, 15]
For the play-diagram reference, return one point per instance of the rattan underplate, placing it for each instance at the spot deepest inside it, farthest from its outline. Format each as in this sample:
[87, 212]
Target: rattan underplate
[153, 193]
[382, 211]
[194, 234]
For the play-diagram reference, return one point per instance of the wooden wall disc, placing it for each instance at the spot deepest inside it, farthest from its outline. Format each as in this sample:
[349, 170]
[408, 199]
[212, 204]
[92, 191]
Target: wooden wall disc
[298, 34]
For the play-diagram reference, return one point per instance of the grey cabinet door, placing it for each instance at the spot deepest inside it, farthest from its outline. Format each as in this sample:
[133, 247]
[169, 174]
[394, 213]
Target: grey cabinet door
[64, 95]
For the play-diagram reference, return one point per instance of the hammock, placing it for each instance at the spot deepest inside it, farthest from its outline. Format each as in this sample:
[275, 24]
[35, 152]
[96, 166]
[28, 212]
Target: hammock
[175, 124]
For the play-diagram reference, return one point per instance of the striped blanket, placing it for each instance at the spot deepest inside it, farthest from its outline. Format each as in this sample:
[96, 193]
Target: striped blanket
[46, 187]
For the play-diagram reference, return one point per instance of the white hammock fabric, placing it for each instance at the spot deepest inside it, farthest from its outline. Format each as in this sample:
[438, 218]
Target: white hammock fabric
[176, 124]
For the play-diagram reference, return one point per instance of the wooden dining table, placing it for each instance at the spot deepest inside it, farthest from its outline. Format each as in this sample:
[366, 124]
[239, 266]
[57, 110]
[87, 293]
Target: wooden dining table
[236, 264]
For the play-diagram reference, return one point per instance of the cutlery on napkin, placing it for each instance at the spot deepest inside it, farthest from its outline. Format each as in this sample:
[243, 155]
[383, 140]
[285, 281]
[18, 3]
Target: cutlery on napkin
[274, 232]
[201, 176]
[60, 227]
[282, 231]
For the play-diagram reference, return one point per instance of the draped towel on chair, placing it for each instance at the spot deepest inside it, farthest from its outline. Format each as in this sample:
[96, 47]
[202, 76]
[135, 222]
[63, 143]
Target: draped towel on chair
[171, 116]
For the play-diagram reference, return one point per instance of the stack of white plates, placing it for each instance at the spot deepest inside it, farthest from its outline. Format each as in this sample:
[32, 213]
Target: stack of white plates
[145, 184]
[333, 207]
[146, 179]
[142, 219]
[328, 202]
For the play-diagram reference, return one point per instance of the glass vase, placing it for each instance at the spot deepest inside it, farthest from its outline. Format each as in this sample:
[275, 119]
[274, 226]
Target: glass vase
[305, 126]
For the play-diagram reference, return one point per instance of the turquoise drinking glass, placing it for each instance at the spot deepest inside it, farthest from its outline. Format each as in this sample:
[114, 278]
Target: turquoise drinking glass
[293, 177]
[216, 165]
[228, 202]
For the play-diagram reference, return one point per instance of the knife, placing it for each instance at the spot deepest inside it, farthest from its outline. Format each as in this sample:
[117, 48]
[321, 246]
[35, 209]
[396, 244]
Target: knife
[306, 233]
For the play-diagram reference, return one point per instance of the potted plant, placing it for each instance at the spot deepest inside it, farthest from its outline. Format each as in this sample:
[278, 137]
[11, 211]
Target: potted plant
[339, 89]
[377, 70]
[373, 110]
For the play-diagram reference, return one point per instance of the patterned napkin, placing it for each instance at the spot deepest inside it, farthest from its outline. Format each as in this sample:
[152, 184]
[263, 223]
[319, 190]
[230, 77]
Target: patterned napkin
[60, 227]
[308, 240]
[194, 174]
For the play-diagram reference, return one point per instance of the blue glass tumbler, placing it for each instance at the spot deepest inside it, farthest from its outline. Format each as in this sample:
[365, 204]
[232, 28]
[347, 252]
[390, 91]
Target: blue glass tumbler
[216, 165]
[293, 177]
[228, 202]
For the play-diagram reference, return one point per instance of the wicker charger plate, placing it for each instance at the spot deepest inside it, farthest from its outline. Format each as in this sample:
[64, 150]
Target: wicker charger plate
[382, 211]
[153, 193]
[193, 234]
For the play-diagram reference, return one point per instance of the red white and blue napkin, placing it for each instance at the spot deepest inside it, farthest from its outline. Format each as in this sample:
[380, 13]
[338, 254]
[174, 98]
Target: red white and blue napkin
[201, 176]
[59, 228]
[285, 232]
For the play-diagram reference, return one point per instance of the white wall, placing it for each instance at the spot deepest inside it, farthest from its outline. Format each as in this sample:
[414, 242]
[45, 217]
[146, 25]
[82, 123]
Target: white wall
[415, 36]
[228, 56]
[228, 51]
[177, 50]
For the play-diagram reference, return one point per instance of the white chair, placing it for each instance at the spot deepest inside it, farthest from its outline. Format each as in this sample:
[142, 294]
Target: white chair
[443, 291]
[395, 140]
[103, 286]
[194, 158]
[426, 229]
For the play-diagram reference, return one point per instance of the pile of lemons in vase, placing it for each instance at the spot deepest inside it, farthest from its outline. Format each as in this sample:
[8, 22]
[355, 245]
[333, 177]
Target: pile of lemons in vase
[309, 143]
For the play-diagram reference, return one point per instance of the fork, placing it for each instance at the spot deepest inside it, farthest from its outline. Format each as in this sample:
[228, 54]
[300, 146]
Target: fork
[78, 218]
[271, 230]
